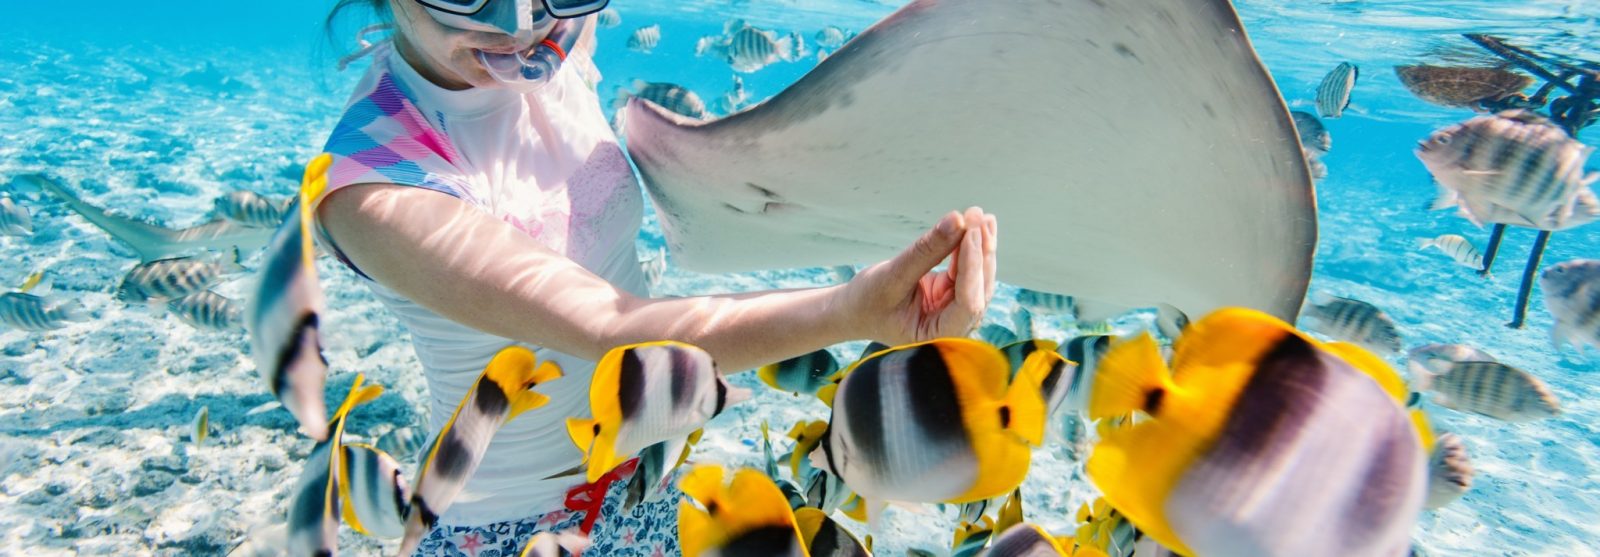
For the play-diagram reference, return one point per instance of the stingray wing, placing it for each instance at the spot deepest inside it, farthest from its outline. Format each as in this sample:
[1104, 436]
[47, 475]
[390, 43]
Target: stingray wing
[1135, 151]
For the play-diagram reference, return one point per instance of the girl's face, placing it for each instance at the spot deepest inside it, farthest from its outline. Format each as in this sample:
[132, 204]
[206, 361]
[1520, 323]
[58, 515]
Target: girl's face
[447, 56]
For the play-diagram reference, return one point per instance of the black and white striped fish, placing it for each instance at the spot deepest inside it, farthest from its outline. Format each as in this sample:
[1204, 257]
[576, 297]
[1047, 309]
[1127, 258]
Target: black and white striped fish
[936, 421]
[1356, 322]
[608, 18]
[1515, 160]
[1055, 373]
[402, 442]
[284, 309]
[502, 392]
[14, 219]
[1313, 135]
[315, 509]
[208, 311]
[670, 96]
[252, 209]
[169, 279]
[1047, 303]
[648, 393]
[747, 48]
[27, 312]
[656, 464]
[996, 334]
[1333, 95]
[1449, 471]
[1457, 247]
[1572, 292]
[645, 39]
[1491, 389]
[373, 491]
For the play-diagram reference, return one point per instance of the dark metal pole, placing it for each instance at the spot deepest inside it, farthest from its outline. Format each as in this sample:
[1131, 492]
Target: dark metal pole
[1495, 236]
[1521, 313]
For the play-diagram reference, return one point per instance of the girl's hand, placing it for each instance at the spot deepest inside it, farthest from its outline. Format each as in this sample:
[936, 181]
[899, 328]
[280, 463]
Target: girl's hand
[903, 300]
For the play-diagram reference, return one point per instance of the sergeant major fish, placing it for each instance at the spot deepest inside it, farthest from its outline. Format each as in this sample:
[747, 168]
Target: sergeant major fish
[1333, 94]
[608, 18]
[1355, 321]
[1216, 467]
[670, 96]
[1457, 247]
[502, 392]
[27, 309]
[1491, 389]
[252, 209]
[1438, 358]
[1515, 161]
[746, 48]
[169, 279]
[645, 39]
[1572, 292]
[208, 311]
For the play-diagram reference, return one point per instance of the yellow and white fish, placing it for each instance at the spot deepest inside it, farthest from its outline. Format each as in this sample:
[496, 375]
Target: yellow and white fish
[503, 391]
[546, 544]
[933, 422]
[801, 375]
[822, 537]
[745, 517]
[200, 426]
[1449, 471]
[315, 509]
[284, 310]
[648, 393]
[1491, 389]
[1572, 292]
[373, 491]
[1457, 247]
[1333, 94]
[1217, 464]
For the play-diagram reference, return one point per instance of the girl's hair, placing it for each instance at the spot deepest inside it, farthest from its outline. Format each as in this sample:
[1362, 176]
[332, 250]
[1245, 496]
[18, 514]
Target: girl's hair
[378, 9]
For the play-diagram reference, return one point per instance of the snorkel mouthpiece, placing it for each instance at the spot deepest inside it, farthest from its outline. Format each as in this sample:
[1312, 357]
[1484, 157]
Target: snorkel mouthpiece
[533, 68]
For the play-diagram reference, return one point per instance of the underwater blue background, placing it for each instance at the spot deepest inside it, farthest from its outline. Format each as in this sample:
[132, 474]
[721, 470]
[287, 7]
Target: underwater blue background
[156, 108]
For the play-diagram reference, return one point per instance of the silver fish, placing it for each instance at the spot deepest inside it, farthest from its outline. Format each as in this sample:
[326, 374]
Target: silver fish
[645, 39]
[1457, 247]
[1356, 322]
[1492, 389]
[207, 310]
[373, 491]
[168, 279]
[1572, 292]
[1449, 471]
[1313, 135]
[252, 209]
[1333, 94]
[283, 312]
[14, 219]
[670, 96]
[1437, 358]
[502, 392]
[27, 312]
[608, 18]
[831, 37]
[1516, 161]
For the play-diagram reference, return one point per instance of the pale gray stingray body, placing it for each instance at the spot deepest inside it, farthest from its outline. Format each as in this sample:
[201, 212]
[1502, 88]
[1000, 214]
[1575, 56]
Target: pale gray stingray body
[1135, 151]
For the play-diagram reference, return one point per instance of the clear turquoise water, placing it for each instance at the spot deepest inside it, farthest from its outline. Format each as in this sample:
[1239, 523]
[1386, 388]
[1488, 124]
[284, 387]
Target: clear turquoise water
[116, 99]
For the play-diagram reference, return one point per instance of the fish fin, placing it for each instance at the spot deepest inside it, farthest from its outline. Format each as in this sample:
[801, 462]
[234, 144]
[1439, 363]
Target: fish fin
[702, 483]
[347, 505]
[809, 521]
[357, 396]
[1425, 243]
[826, 392]
[1127, 376]
[688, 446]
[1171, 321]
[1010, 512]
[515, 370]
[808, 438]
[582, 432]
[573, 471]
[1446, 199]
[1425, 434]
[854, 507]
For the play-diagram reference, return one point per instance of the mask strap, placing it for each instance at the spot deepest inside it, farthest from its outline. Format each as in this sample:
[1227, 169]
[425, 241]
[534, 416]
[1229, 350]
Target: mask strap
[366, 46]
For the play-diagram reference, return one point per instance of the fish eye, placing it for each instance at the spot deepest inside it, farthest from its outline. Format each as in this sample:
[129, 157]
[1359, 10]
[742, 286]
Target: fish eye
[1443, 139]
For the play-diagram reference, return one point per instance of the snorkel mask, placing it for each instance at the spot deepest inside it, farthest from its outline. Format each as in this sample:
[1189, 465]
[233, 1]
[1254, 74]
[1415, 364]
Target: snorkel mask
[530, 68]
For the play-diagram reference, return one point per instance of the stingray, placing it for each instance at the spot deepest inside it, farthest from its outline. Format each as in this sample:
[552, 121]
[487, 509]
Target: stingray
[1136, 153]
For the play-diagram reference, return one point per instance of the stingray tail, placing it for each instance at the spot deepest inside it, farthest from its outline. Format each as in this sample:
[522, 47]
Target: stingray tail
[150, 241]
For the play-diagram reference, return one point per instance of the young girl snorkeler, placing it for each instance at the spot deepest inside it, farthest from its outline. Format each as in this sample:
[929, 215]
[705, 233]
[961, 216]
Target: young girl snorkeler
[478, 189]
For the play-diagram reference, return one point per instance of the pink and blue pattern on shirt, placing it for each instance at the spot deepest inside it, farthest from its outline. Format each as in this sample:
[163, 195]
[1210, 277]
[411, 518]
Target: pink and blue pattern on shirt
[384, 139]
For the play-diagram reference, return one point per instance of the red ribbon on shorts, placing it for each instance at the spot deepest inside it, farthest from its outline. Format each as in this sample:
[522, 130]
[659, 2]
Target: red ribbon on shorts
[588, 498]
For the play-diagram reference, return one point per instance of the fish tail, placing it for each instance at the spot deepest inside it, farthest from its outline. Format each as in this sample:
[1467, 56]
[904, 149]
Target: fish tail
[1023, 410]
[516, 371]
[769, 375]
[1425, 243]
[1129, 375]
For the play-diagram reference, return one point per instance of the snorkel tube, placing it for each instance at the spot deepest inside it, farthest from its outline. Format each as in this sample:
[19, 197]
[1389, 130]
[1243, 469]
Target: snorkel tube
[535, 67]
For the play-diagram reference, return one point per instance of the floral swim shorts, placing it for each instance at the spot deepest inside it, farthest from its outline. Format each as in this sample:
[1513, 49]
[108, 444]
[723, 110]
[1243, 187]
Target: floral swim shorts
[649, 530]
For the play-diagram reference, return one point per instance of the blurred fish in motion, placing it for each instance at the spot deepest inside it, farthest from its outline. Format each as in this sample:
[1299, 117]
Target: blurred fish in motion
[1026, 540]
[747, 516]
[1461, 87]
[1514, 162]
[608, 18]
[1457, 247]
[252, 209]
[28, 310]
[831, 37]
[1449, 471]
[1313, 135]
[14, 218]
[823, 537]
[1333, 94]
[801, 375]
[1438, 358]
[373, 491]
[200, 426]
[1248, 393]
[654, 268]
[208, 311]
[996, 334]
[670, 96]
[747, 48]
[546, 544]
[314, 510]
[169, 279]
[1491, 389]
[1572, 292]
[402, 442]
[1356, 322]
[1047, 303]
[645, 39]
[735, 99]
[933, 422]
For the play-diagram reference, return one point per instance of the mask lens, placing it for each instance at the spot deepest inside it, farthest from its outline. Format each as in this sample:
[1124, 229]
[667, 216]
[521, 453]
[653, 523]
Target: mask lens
[574, 8]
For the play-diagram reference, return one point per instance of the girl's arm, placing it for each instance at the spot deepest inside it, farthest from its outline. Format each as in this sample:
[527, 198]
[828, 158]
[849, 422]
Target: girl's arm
[472, 268]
